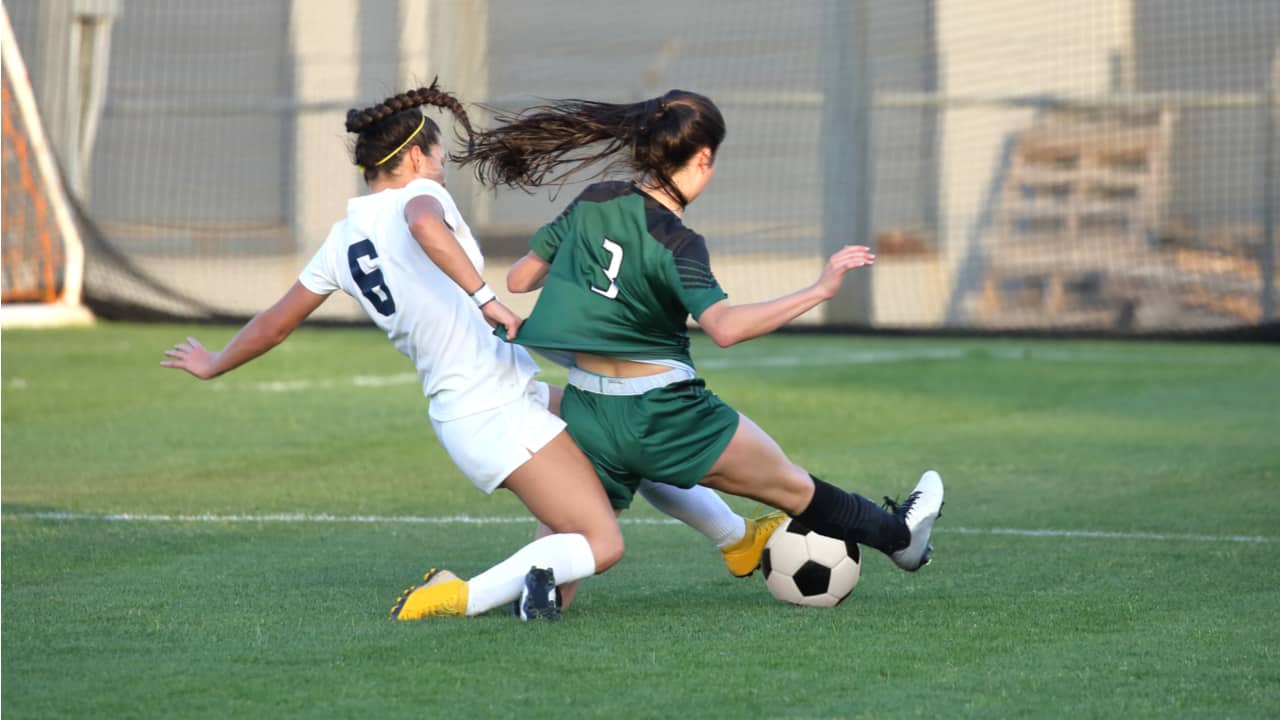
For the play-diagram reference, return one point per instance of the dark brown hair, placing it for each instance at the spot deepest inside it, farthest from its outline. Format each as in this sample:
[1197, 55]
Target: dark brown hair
[381, 128]
[548, 143]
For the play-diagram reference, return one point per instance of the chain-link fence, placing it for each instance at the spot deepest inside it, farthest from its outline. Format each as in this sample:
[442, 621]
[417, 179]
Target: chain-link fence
[1100, 166]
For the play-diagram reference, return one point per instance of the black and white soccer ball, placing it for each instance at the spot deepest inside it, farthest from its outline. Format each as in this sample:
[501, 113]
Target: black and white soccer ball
[805, 568]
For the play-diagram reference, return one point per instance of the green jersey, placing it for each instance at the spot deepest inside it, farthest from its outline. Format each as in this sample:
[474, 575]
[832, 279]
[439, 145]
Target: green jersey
[625, 276]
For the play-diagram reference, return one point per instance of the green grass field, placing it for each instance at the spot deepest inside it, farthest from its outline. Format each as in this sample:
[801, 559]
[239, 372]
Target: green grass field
[180, 549]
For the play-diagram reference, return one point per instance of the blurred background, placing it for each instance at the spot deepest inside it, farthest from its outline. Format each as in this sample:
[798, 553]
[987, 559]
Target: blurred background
[1096, 166]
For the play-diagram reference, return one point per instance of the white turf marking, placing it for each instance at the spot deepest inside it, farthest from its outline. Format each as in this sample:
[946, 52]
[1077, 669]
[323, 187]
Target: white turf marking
[361, 381]
[857, 357]
[864, 357]
[1110, 535]
[474, 520]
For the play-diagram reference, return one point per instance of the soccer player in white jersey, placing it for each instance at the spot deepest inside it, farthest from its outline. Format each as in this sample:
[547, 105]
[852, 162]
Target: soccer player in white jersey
[406, 254]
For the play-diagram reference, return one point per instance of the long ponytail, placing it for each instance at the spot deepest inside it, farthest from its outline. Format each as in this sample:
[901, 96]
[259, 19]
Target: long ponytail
[549, 143]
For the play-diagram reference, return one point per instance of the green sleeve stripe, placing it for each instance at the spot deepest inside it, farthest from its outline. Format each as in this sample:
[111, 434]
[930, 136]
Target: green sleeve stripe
[695, 269]
[690, 261]
[693, 265]
[695, 277]
[697, 280]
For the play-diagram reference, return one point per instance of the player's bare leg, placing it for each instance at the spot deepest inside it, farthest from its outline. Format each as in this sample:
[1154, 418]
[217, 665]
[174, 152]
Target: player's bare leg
[558, 471]
[586, 539]
[567, 591]
[754, 466]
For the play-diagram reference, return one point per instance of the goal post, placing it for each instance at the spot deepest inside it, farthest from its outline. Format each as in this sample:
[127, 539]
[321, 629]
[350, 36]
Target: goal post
[41, 254]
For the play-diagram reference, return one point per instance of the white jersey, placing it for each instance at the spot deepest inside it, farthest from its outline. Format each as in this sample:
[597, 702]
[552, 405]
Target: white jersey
[372, 257]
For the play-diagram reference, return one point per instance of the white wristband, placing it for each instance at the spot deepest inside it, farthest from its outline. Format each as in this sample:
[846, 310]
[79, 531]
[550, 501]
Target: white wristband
[483, 295]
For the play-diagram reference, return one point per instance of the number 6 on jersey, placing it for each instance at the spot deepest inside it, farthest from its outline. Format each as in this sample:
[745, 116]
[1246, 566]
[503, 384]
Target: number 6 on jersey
[611, 272]
[365, 273]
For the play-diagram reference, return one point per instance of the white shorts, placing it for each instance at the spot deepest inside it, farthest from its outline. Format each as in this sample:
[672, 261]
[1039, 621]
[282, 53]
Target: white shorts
[487, 447]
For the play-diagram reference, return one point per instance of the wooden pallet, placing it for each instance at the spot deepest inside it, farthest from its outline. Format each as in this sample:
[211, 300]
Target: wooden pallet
[1083, 193]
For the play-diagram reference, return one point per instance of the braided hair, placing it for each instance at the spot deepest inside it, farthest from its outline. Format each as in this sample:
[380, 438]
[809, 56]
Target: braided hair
[384, 131]
[548, 143]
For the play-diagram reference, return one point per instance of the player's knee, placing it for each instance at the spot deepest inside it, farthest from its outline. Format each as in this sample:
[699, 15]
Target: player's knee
[607, 549]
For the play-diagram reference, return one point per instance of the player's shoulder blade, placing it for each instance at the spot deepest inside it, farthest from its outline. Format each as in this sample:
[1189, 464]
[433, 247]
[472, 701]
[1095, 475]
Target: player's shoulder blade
[669, 230]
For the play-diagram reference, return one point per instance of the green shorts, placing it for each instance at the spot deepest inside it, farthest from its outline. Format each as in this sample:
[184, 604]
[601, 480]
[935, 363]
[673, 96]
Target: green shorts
[672, 435]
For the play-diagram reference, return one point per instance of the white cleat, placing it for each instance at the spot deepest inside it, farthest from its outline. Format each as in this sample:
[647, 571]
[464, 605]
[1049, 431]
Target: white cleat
[919, 510]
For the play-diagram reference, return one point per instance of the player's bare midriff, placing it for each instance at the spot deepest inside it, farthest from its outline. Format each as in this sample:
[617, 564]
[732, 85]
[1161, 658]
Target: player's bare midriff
[616, 367]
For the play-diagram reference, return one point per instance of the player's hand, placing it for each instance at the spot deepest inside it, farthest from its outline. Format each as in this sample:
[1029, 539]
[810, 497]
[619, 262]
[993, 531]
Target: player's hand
[844, 260]
[192, 357]
[495, 313]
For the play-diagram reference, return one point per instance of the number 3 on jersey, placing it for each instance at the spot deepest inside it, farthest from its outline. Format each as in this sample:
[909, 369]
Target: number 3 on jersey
[611, 272]
[368, 277]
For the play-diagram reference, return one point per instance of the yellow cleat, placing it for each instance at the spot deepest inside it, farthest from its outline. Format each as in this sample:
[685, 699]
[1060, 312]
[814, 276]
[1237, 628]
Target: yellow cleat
[441, 594]
[743, 557]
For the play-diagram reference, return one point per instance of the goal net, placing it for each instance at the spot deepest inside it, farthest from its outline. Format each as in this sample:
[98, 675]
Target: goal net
[42, 257]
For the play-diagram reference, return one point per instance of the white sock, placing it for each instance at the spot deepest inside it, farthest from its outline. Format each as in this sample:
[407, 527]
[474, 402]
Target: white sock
[699, 507]
[567, 554]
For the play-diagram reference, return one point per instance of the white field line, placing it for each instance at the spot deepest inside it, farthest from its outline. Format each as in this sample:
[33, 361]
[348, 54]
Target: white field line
[362, 381]
[481, 520]
[857, 357]
[852, 358]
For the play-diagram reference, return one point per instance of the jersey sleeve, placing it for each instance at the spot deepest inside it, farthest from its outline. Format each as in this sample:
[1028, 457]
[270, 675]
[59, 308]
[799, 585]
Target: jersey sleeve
[546, 241]
[433, 190]
[695, 284]
[320, 276]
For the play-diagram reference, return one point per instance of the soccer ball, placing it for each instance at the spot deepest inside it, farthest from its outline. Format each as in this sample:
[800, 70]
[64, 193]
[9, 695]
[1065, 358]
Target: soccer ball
[805, 568]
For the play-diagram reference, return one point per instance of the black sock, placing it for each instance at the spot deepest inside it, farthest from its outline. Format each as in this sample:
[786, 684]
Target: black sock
[836, 513]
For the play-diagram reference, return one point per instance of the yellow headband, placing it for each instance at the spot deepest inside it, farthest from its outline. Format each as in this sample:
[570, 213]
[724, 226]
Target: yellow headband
[392, 154]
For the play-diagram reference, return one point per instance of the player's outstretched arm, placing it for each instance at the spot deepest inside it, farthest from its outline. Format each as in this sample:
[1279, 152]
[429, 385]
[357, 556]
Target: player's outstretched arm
[528, 273]
[266, 330]
[731, 324]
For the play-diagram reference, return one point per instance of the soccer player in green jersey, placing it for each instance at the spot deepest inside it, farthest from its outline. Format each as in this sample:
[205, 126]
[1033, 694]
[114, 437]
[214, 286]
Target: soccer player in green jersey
[621, 274]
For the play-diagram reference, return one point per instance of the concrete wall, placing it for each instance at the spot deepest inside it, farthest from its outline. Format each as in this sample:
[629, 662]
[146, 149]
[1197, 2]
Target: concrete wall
[325, 36]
